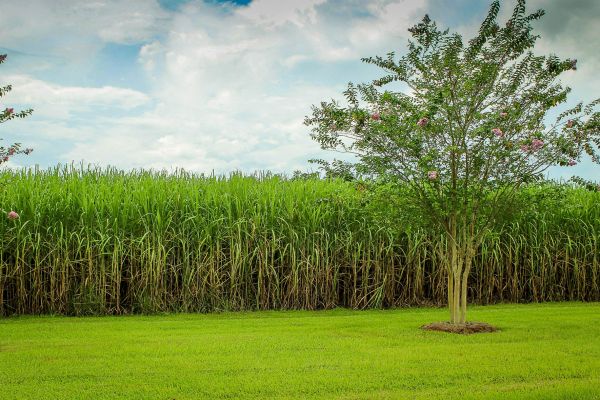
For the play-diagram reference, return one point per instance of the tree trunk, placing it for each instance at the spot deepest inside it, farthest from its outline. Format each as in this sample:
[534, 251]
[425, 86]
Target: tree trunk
[459, 267]
[457, 299]
[456, 304]
[465, 278]
[451, 295]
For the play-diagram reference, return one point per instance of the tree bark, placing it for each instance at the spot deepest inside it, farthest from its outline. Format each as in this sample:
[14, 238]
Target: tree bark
[451, 295]
[465, 278]
[456, 304]
[460, 257]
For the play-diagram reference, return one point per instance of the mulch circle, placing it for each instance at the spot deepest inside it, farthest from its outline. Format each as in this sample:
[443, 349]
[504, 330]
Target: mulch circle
[463, 329]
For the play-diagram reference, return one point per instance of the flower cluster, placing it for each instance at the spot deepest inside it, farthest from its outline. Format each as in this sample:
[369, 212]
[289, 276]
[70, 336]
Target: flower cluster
[498, 132]
[12, 215]
[535, 145]
[375, 116]
[432, 175]
[11, 151]
[423, 121]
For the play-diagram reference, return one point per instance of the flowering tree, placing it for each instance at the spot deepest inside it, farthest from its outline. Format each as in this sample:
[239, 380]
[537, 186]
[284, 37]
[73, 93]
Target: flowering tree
[471, 130]
[6, 115]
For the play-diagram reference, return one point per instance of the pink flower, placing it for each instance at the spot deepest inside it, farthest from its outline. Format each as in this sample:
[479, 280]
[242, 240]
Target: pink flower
[524, 147]
[537, 144]
[9, 111]
[504, 114]
[570, 123]
[432, 175]
[5, 159]
[375, 116]
[423, 121]
[12, 215]
[498, 132]
[11, 151]
[571, 163]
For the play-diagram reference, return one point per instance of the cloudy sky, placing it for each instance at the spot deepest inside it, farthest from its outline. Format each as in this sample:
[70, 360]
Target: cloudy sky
[211, 85]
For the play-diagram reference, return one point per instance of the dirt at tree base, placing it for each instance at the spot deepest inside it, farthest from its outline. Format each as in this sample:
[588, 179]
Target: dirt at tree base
[464, 329]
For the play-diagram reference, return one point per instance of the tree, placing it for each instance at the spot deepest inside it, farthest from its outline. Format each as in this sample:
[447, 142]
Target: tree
[6, 115]
[471, 131]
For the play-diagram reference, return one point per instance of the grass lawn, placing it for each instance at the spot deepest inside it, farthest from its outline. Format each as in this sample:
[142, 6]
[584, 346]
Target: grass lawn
[544, 351]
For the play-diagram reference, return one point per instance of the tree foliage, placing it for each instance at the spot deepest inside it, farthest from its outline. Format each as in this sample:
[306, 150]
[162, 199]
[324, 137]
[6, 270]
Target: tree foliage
[470, 129]
[6, 115]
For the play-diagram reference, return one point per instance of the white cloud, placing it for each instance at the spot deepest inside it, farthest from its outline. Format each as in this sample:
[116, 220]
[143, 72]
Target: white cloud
[214, 137]
[271, 14]
[229, 86]
[77, 29]
[61, 102]
[233, 88]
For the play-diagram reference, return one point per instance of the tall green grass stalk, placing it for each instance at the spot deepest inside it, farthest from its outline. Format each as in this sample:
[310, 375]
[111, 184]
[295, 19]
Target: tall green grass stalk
[92, 241]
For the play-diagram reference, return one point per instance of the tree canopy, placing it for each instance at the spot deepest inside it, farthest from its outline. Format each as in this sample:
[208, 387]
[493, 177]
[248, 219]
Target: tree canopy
[470, 128]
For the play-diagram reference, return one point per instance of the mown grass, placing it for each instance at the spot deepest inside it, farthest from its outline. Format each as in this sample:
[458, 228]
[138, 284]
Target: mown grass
[104, 241]
[543, 351]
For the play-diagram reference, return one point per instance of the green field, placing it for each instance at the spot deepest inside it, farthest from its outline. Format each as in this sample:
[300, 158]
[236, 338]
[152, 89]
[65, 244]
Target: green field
[95, 242]
[543, 351]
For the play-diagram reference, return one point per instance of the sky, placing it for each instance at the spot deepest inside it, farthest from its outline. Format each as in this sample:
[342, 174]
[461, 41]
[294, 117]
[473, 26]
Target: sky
[210, 85]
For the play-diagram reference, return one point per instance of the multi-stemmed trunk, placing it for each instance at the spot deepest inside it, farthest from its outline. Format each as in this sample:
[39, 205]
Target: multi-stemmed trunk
[459, 256]
[457, 293]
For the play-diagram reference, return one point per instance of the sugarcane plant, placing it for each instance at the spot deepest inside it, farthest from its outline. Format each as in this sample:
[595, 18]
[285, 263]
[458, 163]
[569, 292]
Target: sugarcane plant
[466, 126]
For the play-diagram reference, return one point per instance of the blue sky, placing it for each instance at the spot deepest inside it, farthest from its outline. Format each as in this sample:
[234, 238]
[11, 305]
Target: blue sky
[211, 85]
